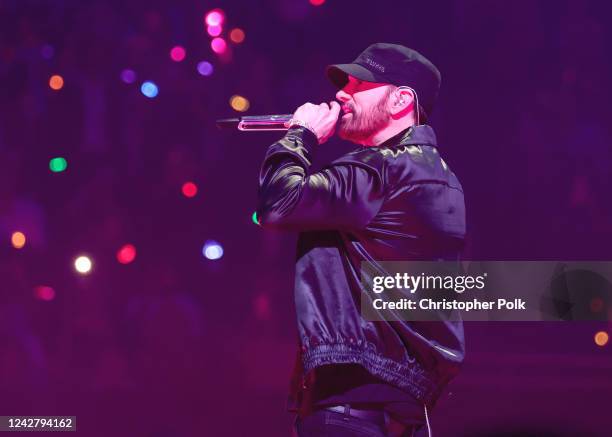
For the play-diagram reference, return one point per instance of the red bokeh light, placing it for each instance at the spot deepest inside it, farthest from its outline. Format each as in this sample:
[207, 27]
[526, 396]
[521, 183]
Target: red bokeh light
[189, 189]
[44, 292]
[126, 254]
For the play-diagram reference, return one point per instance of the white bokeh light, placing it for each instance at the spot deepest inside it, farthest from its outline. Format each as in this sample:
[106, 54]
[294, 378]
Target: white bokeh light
[83, 265]
[212, 250]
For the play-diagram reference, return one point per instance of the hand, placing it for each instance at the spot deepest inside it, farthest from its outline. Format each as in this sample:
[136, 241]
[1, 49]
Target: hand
[321, 118]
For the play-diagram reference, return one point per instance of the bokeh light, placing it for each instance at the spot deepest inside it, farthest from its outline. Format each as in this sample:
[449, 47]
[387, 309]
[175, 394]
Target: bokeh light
[205, 68]
[18, 239]
[262, 306]
[212, 250]
[149, 89]
[596, 304]
[126, 254]
[237, 35]
[83, 264]
[177, 54]
[57, 165]
[214, 30]
[317, 2]
[56, 82]
[189, 189]
[47, 51]
[215, 17]
[128, 76]
[218, 45]
[255, 218]
[44, 292]
[601, 338]
[239, 103]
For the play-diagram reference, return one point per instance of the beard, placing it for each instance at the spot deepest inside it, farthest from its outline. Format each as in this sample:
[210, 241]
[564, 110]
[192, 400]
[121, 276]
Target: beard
[360, 126]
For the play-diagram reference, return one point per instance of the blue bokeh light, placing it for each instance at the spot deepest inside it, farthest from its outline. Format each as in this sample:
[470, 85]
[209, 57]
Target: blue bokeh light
[149, 89]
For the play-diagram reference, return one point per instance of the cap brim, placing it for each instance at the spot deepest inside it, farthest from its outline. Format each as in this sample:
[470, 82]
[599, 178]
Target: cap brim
[338, 73]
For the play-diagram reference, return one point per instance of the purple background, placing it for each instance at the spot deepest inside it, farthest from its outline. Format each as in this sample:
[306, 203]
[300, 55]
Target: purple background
[178, 345]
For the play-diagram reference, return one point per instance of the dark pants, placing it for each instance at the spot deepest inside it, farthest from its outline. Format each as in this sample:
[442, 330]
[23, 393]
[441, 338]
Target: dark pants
[324, 423]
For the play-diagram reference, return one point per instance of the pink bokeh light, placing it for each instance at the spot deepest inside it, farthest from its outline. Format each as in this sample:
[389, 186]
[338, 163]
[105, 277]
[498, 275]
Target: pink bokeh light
[218, 45]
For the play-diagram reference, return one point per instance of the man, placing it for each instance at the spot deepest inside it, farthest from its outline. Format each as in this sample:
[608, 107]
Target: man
[392, 199]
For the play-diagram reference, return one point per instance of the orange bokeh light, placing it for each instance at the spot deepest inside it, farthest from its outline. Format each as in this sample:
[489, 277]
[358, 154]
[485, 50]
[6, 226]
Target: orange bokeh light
[56, 82]
[18, 240]
[601, 338]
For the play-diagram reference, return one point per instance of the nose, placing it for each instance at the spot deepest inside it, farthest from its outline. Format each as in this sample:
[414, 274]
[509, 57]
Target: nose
[343, 96]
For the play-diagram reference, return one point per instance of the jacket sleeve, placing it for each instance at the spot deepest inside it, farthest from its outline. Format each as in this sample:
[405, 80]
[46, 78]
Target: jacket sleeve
[344, 195]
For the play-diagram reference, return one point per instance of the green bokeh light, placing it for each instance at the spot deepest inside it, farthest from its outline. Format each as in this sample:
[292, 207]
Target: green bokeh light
[254, 218]
[58, 165]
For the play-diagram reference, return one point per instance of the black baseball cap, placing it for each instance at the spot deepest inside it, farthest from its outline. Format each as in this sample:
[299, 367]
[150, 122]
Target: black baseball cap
[393, 64]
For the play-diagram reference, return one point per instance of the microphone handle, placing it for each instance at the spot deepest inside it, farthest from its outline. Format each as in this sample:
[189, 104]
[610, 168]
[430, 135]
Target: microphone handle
[256, 122]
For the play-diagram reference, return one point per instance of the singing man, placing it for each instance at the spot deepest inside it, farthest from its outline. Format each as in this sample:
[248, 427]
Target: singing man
[393, 198]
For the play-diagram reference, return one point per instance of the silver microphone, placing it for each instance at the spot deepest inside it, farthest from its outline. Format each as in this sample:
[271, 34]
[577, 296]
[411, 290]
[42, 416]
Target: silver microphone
[256, 122]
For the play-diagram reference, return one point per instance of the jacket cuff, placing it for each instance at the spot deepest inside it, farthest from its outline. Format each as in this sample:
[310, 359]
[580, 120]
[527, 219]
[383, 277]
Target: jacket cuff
[308, 137]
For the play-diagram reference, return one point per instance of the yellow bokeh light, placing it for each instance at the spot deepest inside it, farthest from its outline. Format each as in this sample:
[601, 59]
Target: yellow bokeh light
[56, 82]
[601, 338]
[18, 240]
[239, 103]
[237, 35]
[82, 264]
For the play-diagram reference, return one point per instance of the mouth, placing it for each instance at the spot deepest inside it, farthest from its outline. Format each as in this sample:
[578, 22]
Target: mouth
[347, 111]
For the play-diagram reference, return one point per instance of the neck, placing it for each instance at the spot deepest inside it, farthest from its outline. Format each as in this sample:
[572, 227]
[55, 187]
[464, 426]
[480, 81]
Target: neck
[392, 129]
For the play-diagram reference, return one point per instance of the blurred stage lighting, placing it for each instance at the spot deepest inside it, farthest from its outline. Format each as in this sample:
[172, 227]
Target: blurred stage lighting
[128, 76]
[149, 89]
[44, 292]
[237, 35]
[218, 45]
[47, 51]
[239, 103]
[205, 68]
[177, 54]
[601, 338]
[317, 2]
[56, 82]
[18, 239]
[255, 219]
[212, 250]
[214, 30]
[57, 165]
[189, 189]
[83, 264]
[126, 254]
[215, 17]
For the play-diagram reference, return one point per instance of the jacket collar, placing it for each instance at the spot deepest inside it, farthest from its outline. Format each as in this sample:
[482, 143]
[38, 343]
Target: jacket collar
[418, 135]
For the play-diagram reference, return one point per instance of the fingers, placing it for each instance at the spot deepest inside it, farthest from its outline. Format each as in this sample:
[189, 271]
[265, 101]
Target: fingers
[335, 108]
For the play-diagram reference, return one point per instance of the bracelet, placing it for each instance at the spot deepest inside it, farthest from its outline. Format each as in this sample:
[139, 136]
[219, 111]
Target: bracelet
[296, 122]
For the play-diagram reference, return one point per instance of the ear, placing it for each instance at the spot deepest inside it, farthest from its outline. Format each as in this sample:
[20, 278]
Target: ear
[401, 102]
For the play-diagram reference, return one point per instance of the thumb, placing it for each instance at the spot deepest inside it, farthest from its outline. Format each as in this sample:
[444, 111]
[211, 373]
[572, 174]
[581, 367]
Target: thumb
[335, 108]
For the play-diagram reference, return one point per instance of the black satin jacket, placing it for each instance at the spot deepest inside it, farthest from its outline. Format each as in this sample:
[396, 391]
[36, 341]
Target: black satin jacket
[398, 201]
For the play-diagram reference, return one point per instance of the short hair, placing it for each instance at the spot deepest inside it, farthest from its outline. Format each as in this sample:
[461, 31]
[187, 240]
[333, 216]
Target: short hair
[422, 116]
